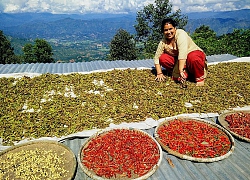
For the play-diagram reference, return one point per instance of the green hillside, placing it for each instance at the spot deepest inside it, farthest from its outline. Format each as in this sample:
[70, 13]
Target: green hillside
[84, 39]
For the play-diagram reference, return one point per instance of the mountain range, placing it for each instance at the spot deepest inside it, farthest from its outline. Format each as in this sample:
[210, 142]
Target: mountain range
[86, 37]
[104, 26]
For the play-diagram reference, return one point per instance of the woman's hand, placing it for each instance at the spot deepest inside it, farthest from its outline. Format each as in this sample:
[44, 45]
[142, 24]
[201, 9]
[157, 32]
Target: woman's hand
[160, 77]
[183, 74]
[183, 77]
[182, 71]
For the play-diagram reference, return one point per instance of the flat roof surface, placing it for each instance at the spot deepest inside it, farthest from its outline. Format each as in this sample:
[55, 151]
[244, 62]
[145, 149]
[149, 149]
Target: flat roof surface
[236, 166]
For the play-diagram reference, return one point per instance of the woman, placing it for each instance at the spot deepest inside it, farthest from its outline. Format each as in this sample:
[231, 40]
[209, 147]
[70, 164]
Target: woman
[178, 53]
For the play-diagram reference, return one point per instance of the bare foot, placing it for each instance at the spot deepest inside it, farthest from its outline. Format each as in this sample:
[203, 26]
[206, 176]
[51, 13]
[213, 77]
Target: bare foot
[201, 83]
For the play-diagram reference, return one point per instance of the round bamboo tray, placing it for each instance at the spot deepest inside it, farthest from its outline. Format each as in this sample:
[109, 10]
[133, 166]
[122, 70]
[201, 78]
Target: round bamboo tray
[225, 124]
[38, 160]
[93, 175]
[191, 158]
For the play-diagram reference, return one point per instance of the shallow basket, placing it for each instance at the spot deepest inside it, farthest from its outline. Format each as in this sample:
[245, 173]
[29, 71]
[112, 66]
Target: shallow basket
[225, 124]
[183, 156]
[59, 148]
[92, 175]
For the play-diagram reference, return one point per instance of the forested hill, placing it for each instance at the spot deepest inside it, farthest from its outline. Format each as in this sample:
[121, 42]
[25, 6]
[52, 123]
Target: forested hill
[237, 15]
[221, 22]
[65, 27]
[219, 25]
[104, 26]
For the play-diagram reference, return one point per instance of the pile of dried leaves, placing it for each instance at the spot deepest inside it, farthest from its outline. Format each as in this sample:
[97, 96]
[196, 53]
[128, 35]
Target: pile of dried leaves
[57, 105]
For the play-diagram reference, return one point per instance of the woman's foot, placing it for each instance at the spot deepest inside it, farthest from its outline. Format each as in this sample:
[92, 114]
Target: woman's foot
[200, 83]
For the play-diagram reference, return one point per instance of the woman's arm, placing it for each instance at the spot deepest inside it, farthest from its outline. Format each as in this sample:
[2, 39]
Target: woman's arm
[159, 76]
[182, 44]
[182, 63]
[158, 53]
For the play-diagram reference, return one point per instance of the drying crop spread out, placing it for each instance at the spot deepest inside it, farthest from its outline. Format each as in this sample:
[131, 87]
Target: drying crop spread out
[194, 138]
[36, 161]
[56, 105]
[121, 153]
[239, 123]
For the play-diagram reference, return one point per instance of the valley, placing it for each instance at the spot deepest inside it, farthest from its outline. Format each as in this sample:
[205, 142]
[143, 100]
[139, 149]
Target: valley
[77, 38]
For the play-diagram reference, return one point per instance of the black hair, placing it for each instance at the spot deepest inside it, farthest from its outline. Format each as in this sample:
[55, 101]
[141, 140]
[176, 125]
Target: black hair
[167, 21]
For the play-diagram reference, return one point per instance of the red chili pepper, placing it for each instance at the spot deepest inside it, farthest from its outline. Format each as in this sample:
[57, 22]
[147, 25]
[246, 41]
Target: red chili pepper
[120, 152]
[194, 138]
[239, 123]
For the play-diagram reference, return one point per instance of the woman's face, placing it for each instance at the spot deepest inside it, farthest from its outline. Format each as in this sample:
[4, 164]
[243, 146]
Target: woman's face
[169, 31]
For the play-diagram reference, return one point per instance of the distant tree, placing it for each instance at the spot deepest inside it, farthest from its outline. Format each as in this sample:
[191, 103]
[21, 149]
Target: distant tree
[236, 43]
[122, 46]
[28, 56]
[7, 54]
[43, 51]
[206, 39]
[204, 32]
[148, 27]
[40, 52]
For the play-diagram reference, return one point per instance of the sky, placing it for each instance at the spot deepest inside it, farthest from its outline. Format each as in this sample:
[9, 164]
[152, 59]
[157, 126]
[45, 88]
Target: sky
[115, 6]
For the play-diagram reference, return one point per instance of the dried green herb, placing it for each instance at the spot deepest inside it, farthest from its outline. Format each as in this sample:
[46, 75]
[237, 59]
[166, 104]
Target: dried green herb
[56, 105]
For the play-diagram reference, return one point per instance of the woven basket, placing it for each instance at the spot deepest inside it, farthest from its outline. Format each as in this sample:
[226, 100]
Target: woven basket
[225, 124]
[183, 156]
[92, 175]
[47, 145]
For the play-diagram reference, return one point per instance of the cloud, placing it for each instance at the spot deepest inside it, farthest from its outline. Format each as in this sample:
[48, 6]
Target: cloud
[11, 7]
[210, 5]
[116, 6]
